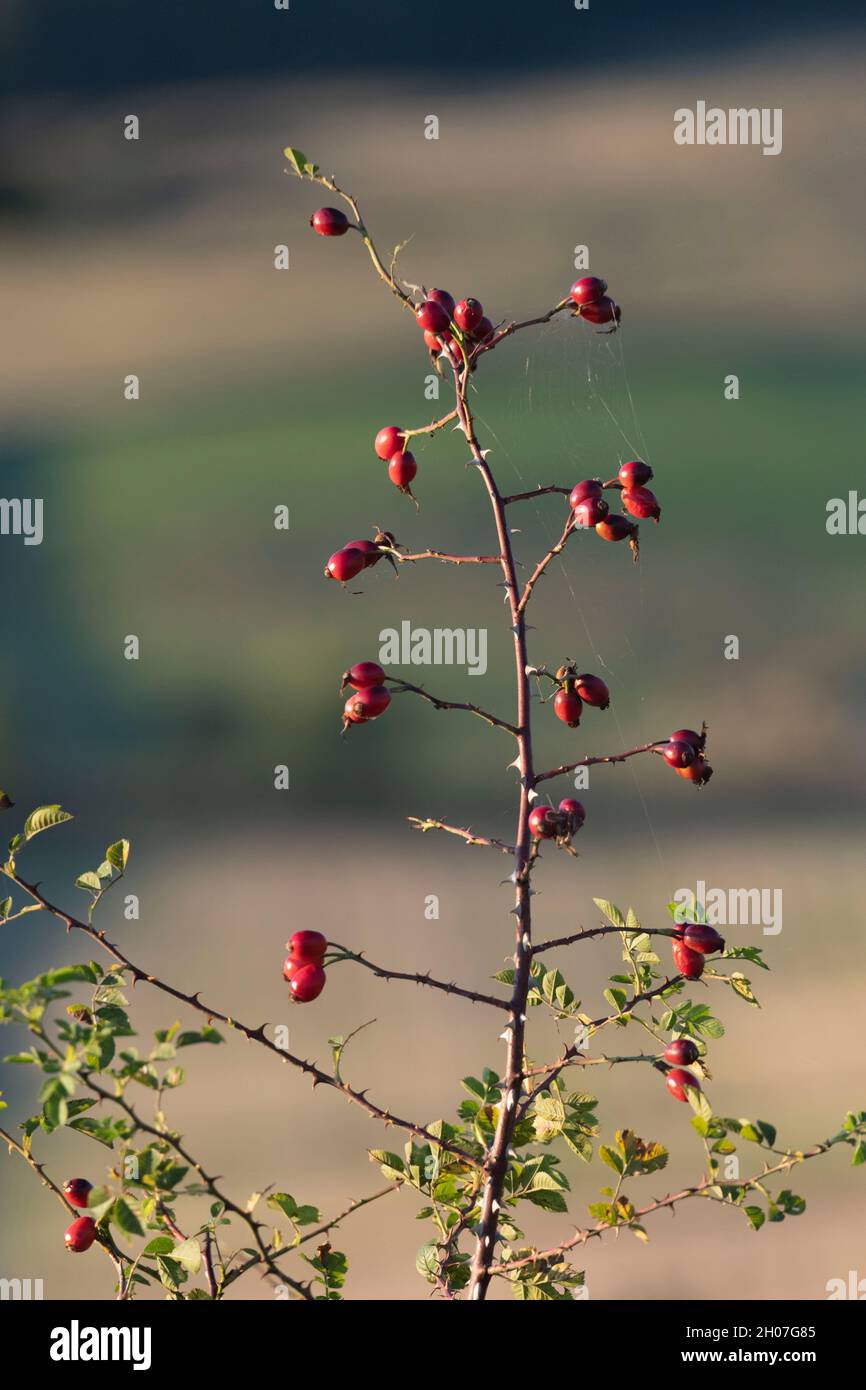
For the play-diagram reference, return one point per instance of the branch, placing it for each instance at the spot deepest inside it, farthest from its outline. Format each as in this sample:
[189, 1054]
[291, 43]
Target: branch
[467, 835]
[702, 1189]
[536, 492]
[512, 327]
[555, 550]
[604, 758]
[440, 555]
[398, 686]
[418, 979]
[587, 934]
[256, 1035]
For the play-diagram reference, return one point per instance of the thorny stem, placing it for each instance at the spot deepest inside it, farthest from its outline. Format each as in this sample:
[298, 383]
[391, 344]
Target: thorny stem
[415, 977]
[708, 1187]
[256, 1035]
[399, 685]
[467, 835]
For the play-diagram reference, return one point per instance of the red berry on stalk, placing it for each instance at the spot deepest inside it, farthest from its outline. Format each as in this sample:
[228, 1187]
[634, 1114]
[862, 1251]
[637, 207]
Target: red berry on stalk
[575, 811]
[543, 822]
[432, 317]
[677, 1081]
[641, 502]
[688, 962]
[433, 343]
[589, 290]
[615, 528]
[602, 311]
[306, 946]
[635, 474]
[678, 754]
[364, 674]
[698, 772]
[484, 332]
[80, 1235]
[589, 487]
[696, 740]
[468, 315]
[329, 222]
[697, 936]
[307, 983]
[389, 441]
[75, 1191]
[444, 298]
[590, 512]
[345, 564]
[367, 704]
[402, 469]
[567, 706]
[593, 691]
[290, 966]
[369, 549]
[681, 1052]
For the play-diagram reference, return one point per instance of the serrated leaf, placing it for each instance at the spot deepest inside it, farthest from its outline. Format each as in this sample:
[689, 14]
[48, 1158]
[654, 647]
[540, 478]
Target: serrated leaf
[611, 912]
[297, 157]
[5, 908]
[125, 1218]
[188, 1255]
[89, 881]
[160, 1245]
[118, 855]
[44, 818]
[743, 988]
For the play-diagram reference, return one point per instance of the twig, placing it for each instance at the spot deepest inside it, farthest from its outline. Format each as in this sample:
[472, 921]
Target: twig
[467, 835]
[399, 685]
[417, 978]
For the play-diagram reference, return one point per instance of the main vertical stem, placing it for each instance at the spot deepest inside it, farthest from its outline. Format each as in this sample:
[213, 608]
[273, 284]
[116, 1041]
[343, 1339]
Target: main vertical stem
[497, 1160]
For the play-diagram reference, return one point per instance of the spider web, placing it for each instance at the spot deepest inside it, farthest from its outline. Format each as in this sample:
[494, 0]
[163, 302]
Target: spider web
[575, 381]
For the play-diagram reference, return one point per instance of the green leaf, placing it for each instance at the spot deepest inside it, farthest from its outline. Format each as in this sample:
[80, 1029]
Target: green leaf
[118, 855]
[756, 1217]
[617, 997]
[5, 909]
[612, 913]
[160, 1245]
[859, 1155]
[392, 1165]
[89, 881]
[43, 818]
[188, 1255]
[125, 1218]
[297, 157]
[206, 1035]
[611, 1158]
[743, 988]
[427, 1261]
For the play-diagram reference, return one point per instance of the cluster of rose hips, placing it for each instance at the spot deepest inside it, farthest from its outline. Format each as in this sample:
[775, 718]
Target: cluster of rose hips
[591, 301]
[371, 698]
[355, 556]
[439, 316]
[390, 445]
[303, 967]
[575, 691]
[82, 1233]
[590, 508]
[681, 1053]
[684, 752]
[545, 823]
[692, 943]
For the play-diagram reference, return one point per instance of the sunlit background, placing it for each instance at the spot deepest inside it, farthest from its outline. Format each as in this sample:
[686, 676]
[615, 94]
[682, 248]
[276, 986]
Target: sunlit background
[262, 388]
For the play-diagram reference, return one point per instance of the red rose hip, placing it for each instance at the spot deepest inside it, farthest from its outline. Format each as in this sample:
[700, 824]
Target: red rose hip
[678, 754]
[443, 298]
[468, 315]
[543, 822]
[367, 704]
[80, 1235]
[369, 549]
[364, 674]
[345, 564]
[677, 1080]
[593, 691]
[681, 1052]
[306, 946]
[640, 502]
[574, 811]
[76, 1191]
[615, 528]
[589, 290]
[697, 936]
[589, 487]
[635, 474]
[329, 222]
[389, 441]
[590, 512]
[432, 317]
[567, 706]
[307, 983]
[602, 311]
[689, 963]
[696, 740]
[402, 469]
[698, 771]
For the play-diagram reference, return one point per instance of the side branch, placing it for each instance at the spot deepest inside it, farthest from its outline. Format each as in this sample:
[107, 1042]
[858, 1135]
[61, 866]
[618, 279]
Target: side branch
[399, 685]
[466, 835]
[602, 758]
[555, 550]
[536, 492]
[415, 977]
[256, 1035]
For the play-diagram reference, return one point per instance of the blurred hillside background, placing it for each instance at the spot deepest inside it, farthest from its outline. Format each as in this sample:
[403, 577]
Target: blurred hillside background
[261, 387]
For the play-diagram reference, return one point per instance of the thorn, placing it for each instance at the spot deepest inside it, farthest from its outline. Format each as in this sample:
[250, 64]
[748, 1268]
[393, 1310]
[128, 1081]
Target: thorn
[516, 764]
[532, 795]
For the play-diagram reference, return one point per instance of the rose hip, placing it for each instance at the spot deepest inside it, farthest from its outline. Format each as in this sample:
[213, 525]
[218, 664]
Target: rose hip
[345, 564]
[681, 1052]
[698, 771]
[432, 317]
[364, 674]
[589, 290]
[615, 528]
[468, 315]
[389, 441]
[329, 222]
[590, 512]
[589, 487]
[635, 474]
[567, 706]
[697, 936]
[307, 983]
[689, 963]
[543, 822]
[678, 1080]
[640, 502]
[306, 946]
[402, 469]
[678, 754]
[593, 691]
